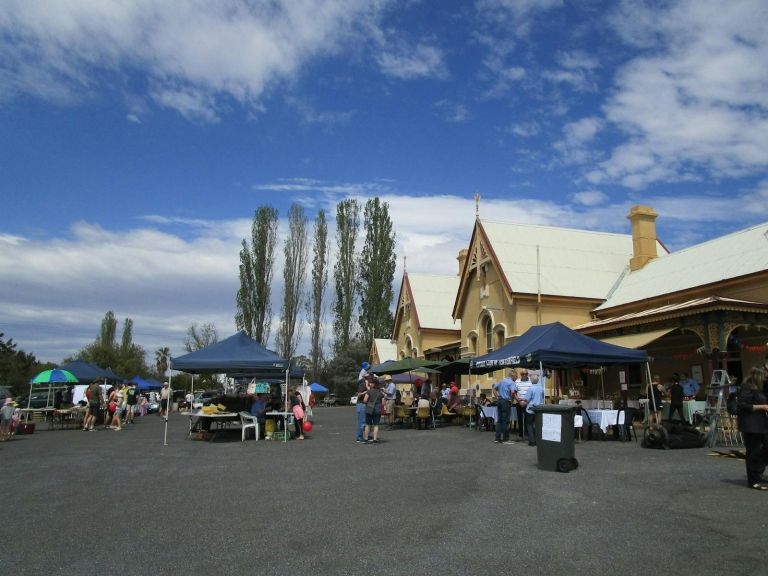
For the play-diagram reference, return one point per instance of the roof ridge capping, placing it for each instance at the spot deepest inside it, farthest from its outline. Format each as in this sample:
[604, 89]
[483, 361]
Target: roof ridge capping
[553, 227]
[724, 237]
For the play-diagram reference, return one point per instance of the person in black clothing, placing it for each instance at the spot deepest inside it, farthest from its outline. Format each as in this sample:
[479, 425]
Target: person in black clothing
[655, 403]
[676, 398]
[753, 425]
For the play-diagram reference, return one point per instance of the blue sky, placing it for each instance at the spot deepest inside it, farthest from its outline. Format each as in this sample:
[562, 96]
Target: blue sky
[138, 138]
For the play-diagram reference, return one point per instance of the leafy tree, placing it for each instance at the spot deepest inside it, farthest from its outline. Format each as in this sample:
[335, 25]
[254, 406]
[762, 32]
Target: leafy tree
[17, 367]
[342, 370]
[126, 358]
[377, 270]
[162, 357]
[316, 300]
[294, 273]
[254, 313]
[202, 337]
[345, 269]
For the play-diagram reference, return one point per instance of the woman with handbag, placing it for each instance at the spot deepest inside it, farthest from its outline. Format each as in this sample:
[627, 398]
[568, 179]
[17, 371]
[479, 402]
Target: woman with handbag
[297, 407]
[753, 425]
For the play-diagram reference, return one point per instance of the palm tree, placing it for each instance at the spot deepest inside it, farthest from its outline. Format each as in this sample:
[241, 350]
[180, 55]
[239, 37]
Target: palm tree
[162, 355]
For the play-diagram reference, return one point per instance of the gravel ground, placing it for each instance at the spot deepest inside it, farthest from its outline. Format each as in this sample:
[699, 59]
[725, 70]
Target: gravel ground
[446, 501]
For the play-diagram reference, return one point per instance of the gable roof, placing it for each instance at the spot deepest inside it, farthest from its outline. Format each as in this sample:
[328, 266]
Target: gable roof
[731, 256]
[385, 349]
[431, 297]
[558, 261]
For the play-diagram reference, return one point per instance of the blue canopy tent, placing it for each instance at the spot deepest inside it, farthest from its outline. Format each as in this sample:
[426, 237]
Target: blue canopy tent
[556, 346]
[142, 384]
[319, 388]
[85, 371]
[237, 355]
[114, 377]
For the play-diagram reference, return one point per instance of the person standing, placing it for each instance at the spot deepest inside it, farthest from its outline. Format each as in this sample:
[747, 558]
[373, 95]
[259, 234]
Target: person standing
[676, 396]
[95, 402]
[165, 394]
[130, 404]
[655, 402]
[297, 407]
[189, 398]
[362, 387]
[690, 386]
[523, 383]
[390, 395]
[535, 395]
[504, 392]
[374, 399]
[753, 425]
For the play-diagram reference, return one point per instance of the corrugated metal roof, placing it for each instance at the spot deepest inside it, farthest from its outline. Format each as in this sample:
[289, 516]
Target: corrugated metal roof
[386, 349]
[576, 263]
[433, 298]
[673, 309]
[737, 254]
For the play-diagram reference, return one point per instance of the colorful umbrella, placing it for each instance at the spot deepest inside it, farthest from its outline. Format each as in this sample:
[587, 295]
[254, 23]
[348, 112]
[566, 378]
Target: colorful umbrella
[48, 376]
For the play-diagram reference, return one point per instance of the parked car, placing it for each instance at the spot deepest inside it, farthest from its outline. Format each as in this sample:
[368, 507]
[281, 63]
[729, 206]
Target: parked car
[39, 400]
[204, 399]
[331, 400]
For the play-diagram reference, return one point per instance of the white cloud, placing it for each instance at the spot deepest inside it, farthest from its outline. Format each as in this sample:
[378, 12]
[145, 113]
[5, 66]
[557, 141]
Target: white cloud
[590, 198]
[452, 111]
[696, 101]
[407, 62]
[193, 52]
[575, 148]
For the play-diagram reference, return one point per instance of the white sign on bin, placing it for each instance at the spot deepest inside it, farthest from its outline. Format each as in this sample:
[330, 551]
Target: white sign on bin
[551, 427]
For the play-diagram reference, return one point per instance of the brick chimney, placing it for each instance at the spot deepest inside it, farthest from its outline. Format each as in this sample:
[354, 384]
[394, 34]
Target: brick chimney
[643, 220]
[462, 257]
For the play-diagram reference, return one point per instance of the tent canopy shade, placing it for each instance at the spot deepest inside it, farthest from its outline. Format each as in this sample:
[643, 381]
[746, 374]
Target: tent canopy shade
[556, 346]
[319, 388]
[85, 371]
[238, 354]
[404, 365]
[637, 340]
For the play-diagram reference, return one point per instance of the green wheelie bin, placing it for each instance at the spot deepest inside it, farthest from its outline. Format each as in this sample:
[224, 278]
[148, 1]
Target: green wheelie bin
[555, 447]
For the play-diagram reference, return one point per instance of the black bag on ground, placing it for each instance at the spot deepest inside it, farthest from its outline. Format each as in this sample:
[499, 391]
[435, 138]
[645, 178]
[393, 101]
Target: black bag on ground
[674, 436]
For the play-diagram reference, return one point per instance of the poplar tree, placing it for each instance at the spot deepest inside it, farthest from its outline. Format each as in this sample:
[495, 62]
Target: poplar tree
[377, 271]
[316, 300]
[294, 274]
[254, 311]
[345, 269]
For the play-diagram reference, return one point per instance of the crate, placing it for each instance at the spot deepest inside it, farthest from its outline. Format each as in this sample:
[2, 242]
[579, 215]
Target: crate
[280, 435]
[25, 428]
[202, 435]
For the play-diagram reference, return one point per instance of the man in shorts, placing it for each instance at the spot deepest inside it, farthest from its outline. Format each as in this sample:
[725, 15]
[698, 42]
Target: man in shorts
[165, 395]
[390, 395]
[95, 402]
[132, 396]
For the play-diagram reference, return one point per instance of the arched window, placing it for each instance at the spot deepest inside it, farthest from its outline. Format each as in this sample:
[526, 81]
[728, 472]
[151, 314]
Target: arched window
[500, 337]
[488, 329]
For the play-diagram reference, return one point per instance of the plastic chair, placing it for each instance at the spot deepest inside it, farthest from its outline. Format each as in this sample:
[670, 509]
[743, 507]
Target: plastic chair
[248, 421]
[624, 424]
[400, 414]
[446, 414]
[425, 414]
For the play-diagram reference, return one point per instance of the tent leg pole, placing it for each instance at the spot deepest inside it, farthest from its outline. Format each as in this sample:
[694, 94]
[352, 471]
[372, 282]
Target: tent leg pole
[168, 407]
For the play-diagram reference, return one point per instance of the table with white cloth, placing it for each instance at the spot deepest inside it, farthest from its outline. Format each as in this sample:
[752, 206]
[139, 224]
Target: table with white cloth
[201, 422]
[690, 408]
[603, 418]
[493, 412]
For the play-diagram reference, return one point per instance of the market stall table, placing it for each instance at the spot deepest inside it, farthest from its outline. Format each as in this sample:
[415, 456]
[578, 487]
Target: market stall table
[201, 422]
[603, 418]
[287, 419]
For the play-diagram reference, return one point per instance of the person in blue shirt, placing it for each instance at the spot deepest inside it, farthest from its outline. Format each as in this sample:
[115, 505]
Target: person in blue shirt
[535, 398]
[504, 391]
[259, 409]
[690, 386]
